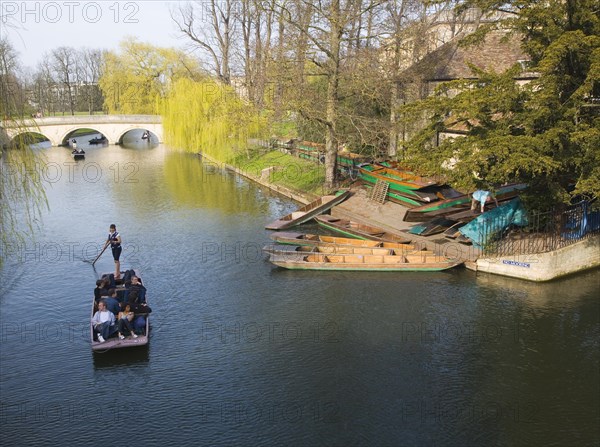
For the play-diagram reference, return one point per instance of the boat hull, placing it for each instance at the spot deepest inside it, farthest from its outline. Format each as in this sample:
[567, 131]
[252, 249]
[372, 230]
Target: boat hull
[419, 214]
[399, 180]
[312, 240]
[379, 263]
[359, 231]
[307, 212]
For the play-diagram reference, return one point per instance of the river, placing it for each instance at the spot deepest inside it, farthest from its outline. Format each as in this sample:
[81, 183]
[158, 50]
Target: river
[244, 353]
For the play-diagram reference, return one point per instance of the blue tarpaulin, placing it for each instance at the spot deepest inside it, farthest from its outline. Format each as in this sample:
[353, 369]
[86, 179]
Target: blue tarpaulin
[578, 221]
[495, 221]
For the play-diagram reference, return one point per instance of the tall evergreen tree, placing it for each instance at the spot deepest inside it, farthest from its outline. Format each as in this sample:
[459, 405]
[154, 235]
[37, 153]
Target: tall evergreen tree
[545, 132]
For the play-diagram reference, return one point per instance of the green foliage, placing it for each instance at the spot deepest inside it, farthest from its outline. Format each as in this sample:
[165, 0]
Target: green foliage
[545, 132]
[133, 79]
[209, 117]
[284, 128]
[291, 172]
[22, 195]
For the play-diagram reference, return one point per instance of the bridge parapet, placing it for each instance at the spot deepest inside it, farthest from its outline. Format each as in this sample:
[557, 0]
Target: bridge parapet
[58, 128]
[83, 119]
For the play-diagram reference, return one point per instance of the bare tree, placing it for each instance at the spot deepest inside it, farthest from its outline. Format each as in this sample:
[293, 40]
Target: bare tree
[256, 23]
[414, 29]
[210, 25]
[11, 88]
[327, 36]
[88, 74]
[64, 63]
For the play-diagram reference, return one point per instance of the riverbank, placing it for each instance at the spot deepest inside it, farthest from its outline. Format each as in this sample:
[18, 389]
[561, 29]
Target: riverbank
[267, 170]
[299, 180]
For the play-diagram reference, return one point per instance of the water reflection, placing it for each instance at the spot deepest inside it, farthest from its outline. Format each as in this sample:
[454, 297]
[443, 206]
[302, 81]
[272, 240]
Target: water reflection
[547, 294]
[41, 145]
[194, 183]
[448, 358]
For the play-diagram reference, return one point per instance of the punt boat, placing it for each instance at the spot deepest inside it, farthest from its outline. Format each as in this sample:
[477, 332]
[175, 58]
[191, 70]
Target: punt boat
[307, 212]
[292, 238]
[113, 341]
[358, 230]
[357, 262]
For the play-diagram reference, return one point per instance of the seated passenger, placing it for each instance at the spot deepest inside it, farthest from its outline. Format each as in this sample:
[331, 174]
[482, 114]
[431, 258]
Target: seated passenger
[136, 286]
[125, 322]
[110, 277]
[101, 289]
[103, 322]
[139, 308]
[111, 302]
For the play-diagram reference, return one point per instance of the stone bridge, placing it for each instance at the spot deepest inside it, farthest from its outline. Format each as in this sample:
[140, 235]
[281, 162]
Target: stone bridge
[59, 128]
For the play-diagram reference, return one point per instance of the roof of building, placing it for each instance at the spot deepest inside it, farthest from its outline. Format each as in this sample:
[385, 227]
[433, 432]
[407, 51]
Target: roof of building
[498, 52]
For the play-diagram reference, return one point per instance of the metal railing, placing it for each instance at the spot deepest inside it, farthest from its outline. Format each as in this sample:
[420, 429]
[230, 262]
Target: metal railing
[545, 232]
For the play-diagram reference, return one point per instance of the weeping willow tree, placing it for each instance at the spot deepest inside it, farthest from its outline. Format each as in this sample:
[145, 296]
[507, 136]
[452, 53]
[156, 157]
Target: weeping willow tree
[139, 73]
[22, 195]
[208, 117]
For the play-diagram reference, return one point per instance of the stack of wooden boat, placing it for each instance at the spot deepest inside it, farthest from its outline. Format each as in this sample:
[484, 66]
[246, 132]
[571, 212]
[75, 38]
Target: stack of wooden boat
[406, 187]
[316, 252]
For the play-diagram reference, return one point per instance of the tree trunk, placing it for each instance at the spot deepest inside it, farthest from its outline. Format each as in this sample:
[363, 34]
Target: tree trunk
[335, 38]
[394, 103]
[330, 136]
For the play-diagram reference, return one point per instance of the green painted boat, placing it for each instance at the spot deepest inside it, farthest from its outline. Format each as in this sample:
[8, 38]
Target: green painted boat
[418, 214]
[398, 198]
[398, 180]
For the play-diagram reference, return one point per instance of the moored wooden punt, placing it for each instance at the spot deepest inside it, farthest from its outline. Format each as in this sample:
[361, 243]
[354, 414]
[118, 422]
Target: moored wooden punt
[303, 250]
[307, 212]
[319, 240]
[359, 231]
[356, 262]
[326, 249]
[114, 342]
[399, 180]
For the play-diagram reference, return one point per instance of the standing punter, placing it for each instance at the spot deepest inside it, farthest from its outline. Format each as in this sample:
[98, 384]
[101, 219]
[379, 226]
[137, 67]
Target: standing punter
[114, 239]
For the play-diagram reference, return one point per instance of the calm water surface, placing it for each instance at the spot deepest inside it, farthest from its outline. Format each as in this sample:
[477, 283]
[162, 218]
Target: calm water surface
[243, 353]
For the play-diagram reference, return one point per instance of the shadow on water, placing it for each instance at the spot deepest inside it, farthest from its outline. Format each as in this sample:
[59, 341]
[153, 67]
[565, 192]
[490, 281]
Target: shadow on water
[121, 357]
[567, 291]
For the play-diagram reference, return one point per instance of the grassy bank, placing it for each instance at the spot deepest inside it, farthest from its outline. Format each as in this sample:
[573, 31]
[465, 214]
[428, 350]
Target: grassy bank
[282, 169]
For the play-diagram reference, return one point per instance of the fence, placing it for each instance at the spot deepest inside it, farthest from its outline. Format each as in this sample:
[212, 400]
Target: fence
[546, 232]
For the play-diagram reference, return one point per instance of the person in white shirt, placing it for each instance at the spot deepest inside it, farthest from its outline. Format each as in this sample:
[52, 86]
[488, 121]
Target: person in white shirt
[103, 322]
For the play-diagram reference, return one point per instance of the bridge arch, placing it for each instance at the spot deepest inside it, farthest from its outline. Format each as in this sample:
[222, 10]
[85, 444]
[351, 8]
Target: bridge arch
[13, 137]
[119, 140]
[65, 139]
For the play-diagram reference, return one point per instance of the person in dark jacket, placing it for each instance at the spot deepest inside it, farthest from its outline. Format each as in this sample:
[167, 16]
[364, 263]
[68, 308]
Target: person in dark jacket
[114, 239]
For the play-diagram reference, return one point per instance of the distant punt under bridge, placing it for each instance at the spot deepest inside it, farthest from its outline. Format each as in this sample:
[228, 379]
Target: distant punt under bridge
[58, 129]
